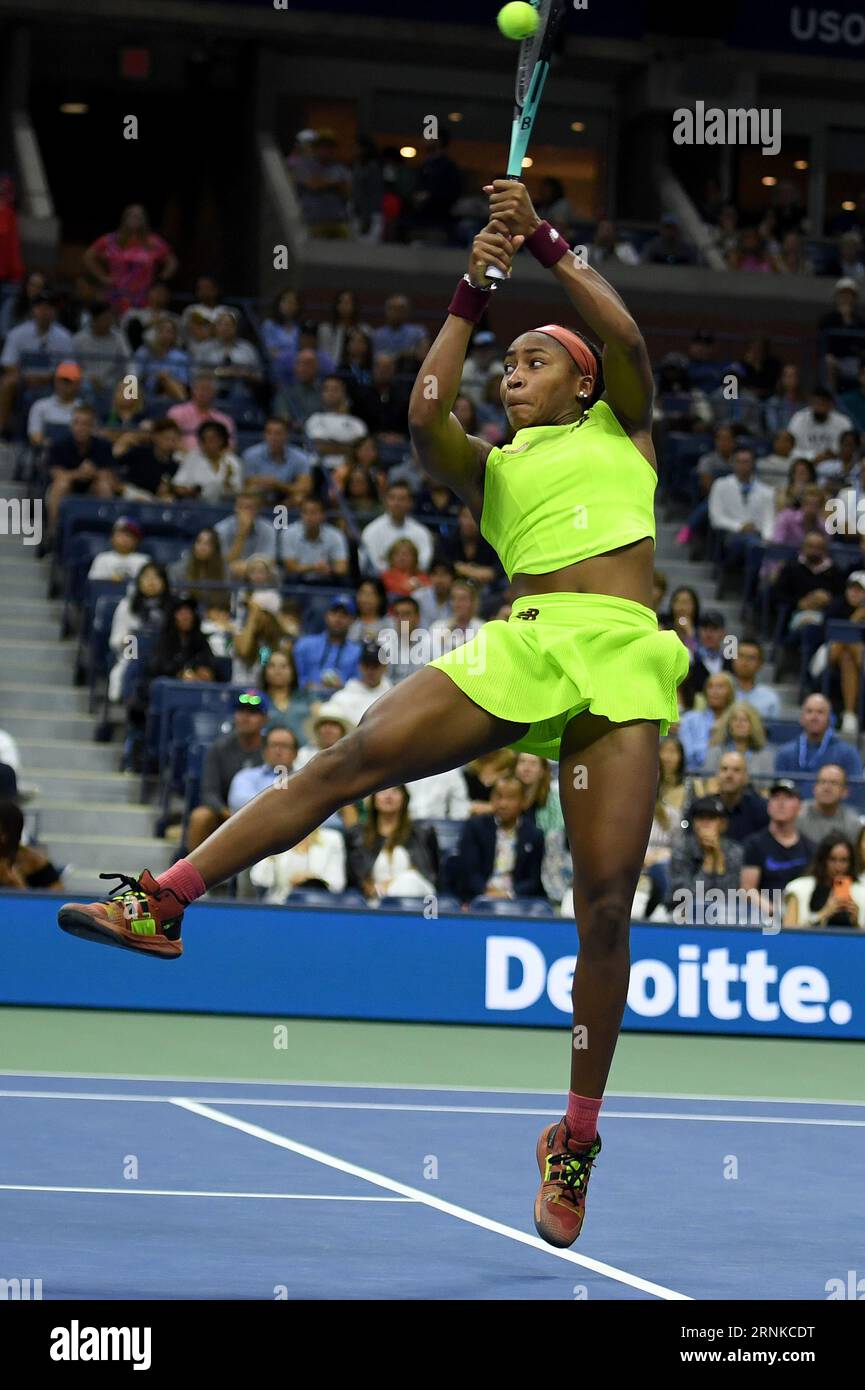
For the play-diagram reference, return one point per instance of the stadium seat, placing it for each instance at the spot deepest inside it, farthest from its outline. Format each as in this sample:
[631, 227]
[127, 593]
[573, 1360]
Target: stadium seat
[513, 907]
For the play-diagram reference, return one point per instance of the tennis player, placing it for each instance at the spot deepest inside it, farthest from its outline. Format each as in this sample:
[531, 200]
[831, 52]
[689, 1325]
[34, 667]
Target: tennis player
[578, 673]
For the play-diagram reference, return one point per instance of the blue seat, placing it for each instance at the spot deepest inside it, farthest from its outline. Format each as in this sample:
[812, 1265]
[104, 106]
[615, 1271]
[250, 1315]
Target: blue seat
[447, 832]
[402, 902]
[782, 730]
[513, 907]
[167, 699]
[100, 657]
[314, 897]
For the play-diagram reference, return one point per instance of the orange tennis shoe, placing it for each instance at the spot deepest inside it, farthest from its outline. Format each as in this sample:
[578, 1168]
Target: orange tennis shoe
[138, 916]
[566, 1167]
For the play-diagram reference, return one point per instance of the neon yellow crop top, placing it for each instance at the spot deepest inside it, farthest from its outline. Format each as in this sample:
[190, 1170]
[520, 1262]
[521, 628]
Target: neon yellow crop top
[562, 493]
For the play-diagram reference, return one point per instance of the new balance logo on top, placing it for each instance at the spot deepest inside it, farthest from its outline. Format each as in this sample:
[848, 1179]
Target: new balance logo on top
[529, 614]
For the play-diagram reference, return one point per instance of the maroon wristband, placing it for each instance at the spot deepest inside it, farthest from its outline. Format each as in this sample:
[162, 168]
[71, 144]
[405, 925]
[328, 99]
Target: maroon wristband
[547, 245]
[469, 302]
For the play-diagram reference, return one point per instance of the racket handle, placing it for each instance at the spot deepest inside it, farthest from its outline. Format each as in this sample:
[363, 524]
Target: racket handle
[492, 272]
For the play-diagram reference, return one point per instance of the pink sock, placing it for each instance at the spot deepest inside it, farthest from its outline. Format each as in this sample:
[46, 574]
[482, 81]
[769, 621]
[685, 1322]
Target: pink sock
[582, 1117]
[184, 880]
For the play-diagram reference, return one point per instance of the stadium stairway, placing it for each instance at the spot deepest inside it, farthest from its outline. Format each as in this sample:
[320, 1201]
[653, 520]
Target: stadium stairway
[89, 819]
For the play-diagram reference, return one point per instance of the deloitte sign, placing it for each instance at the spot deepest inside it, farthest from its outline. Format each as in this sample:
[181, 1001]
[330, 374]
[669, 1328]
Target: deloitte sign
[750, 983]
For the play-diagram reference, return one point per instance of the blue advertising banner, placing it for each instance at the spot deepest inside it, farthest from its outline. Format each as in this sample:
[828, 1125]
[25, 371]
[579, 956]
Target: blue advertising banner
[252, 959]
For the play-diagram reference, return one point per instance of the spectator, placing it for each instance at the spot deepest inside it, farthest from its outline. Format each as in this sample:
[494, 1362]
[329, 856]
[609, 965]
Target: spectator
[607, 247]
[402, 575]
[745, 667]
[207, 301]
[326, 660]
[706, 858]
[302, 396]
[434, 602]
[464, 623]
[758, 369]
[396, 524]
[826, 814]
[669, 247]
[383, 404]
[233, 360]
[541, 803]
[787, 399]
[126, 424]
[484, 358]
[792, 524]
[280, 331]
[123, 560]
[850, 262]
[58, 408]
[745, 809]
[277, 468]
[405, 644]
[144, 606]
[482, 774]
[846, 657]
[828, 894]
[751, 253]
[224, 758]
[22, 866]
[161, 365]
[853, 401]
[362, 690]
[194, 413]
[711, 634]
[371, 601]
[356, 361]
[367, 190]
[323, 186]
[741, 509]
[79, 463]
[389, 855]
[326, 729]
[841, 336]
[182, 651]
[444, 796]
[246, 533]
[673, 790]
[101, 351]
[212, 473]
[808, 584]
[147, 470]
[683, 617]
[138, 324]
[817, 428]
[834, 472]
[740, 730]
[312, 552]
[792, 257]
[316, 861]
[197, 333]
[202, 563]
[278, 755]
[695, 728]
[774, 468]
[438, 186]
[359, 492]
[816, 745]
[705, 373]
[332, 335]
[333, 431]
[500, 854]
[126, 262]
[38, 336]
[16, 310]
[398, 337]
[265, 623]
[470, 553]
[801, 474]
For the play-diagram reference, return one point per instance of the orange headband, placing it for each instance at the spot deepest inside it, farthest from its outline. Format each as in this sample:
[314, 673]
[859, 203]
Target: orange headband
[574, 347]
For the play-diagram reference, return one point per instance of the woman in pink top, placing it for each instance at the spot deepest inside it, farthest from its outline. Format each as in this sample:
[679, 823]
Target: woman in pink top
[128, 261]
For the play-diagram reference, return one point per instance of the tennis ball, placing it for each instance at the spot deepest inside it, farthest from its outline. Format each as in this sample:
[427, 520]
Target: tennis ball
[517, 20]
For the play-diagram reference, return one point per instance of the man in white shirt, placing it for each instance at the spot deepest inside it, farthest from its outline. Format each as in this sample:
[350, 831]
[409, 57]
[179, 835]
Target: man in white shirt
[359, 692]
[334, 431]
[124, 559]
[55, 409]
[443, 796]
[396, 524]
[233, 360]
[741, 508]
[817, 428]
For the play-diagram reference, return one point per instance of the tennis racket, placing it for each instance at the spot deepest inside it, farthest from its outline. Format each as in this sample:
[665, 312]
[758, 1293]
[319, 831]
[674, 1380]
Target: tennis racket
[533, 64]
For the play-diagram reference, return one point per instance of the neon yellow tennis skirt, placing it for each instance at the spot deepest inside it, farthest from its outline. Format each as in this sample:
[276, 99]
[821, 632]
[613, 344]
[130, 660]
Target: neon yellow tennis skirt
[560, 654]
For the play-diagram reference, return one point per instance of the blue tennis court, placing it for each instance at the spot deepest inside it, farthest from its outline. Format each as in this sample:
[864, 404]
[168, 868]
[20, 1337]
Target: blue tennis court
[149, 1189]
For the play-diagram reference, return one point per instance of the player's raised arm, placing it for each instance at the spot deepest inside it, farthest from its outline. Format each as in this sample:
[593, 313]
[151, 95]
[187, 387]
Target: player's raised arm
[628, 380]
[442, 445]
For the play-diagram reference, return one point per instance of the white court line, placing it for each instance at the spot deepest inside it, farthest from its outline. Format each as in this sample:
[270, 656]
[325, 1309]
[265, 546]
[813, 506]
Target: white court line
[428, 1109]
[415, 1086]
[448, 1208]
[174, 1192]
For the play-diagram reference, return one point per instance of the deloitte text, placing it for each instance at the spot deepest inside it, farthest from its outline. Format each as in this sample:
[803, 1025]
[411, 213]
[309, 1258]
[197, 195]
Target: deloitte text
[703, 984]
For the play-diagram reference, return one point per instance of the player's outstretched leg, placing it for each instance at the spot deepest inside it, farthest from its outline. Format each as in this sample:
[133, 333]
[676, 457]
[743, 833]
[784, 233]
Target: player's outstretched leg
[608, 776]
[426, 725]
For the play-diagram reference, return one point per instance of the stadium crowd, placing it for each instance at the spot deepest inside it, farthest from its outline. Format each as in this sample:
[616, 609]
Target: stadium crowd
[233, 504]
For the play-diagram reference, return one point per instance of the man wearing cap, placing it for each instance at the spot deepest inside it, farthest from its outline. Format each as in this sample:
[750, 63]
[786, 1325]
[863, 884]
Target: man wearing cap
[124, 559]
[826, 814]
[224, 759]
[361, 691]
[323, 730]
[38, 335]
[311, 551]
[280, 752]
[57, 408]
[817, 745]
[773, 856]
[79, 462]
[705, 854]
[817, 427]
[324, 661]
